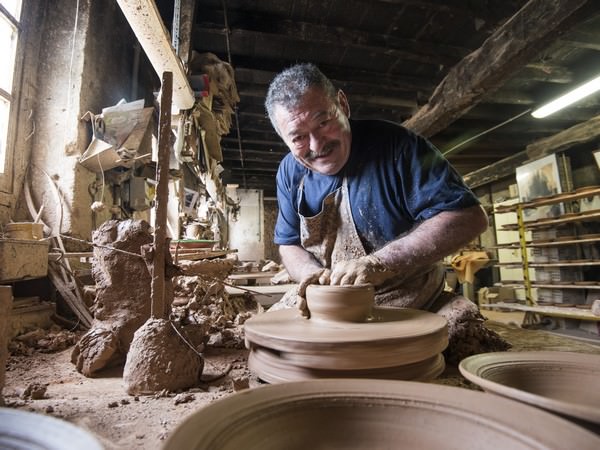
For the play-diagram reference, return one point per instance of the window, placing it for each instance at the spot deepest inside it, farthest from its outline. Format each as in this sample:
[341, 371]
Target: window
[10, 13]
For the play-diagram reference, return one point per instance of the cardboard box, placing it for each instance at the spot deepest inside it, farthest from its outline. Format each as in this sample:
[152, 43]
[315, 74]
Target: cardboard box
[22, 259]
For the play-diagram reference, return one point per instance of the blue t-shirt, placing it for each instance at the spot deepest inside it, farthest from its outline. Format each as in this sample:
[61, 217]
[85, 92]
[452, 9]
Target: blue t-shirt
[396, 179]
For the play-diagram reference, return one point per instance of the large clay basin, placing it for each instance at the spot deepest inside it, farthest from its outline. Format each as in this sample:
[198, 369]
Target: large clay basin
[563, 382]
[351, 303]
[373, 414]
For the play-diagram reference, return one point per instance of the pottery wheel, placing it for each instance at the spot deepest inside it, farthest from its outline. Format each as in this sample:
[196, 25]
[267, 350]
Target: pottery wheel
[285, 346]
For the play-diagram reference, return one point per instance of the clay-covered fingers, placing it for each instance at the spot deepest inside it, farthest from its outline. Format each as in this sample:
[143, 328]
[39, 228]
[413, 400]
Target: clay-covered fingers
[325, 276]
[313, 278]
[367, 269]
[302, 307]
[319, 277]
[346, 272]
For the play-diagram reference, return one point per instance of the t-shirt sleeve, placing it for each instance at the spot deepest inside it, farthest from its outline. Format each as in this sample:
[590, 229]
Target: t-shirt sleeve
[431, 184]
[287, 227]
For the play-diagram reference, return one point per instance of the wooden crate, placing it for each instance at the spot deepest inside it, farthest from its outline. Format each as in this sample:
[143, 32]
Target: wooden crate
[23, 259]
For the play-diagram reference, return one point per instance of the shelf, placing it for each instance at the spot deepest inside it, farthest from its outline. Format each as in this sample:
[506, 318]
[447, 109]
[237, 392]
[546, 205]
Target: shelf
[551, 285]
[517, 265]
[551, 200]
[563, 240]
[573, 261]
[555, 311]
[545, 223]
[566, 264]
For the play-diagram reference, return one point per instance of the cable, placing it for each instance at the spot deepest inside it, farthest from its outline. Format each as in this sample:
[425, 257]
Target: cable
[460, 144]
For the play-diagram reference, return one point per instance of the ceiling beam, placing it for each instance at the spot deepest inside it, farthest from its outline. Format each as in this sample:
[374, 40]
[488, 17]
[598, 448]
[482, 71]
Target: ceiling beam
[511, 46]
[578, 134]
[316, 34]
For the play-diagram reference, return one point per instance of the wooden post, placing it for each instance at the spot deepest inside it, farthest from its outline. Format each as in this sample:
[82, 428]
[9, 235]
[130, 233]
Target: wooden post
[6, 302]
[158, 310]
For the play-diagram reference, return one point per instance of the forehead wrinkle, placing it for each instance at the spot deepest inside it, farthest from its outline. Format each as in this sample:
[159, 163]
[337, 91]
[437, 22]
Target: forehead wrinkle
[315, 116]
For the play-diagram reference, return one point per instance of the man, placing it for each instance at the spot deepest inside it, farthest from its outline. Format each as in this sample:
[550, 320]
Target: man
[365, 201]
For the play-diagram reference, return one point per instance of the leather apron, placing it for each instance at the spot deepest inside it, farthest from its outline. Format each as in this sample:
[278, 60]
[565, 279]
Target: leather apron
[331, 236]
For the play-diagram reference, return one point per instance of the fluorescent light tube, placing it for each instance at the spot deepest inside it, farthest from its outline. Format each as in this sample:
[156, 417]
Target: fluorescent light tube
[570, 97]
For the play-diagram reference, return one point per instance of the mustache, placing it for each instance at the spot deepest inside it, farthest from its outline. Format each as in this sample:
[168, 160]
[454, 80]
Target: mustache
[327, 148]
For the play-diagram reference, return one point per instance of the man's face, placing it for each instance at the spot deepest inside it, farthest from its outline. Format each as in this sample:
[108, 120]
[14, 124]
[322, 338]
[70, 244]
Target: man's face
[317, 132]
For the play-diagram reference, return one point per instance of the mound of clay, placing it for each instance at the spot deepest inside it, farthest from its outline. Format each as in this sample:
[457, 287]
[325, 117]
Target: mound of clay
[122, 302]
[159, 359]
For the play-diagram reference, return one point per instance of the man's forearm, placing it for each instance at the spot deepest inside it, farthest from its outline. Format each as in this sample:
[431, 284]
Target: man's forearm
[298, 262]
[433, 240]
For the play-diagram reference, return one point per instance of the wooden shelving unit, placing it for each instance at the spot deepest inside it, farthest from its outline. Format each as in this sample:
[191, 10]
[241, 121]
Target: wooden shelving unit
[525, 264]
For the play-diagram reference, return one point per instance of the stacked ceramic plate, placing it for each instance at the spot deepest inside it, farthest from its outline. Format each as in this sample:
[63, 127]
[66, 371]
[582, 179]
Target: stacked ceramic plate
[391, 343]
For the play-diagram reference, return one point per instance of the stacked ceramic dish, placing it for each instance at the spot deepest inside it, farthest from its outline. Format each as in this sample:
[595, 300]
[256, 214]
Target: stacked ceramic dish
[345, 337]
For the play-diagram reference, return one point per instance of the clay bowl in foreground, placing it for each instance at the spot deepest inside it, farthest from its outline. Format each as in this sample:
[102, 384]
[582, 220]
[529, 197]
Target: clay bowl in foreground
[340, 303]
[373, 414]
[28, 430]
[562, 382]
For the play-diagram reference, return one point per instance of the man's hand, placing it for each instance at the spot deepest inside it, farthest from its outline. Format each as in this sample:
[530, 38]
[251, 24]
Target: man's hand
[319, 277]
[366, 269]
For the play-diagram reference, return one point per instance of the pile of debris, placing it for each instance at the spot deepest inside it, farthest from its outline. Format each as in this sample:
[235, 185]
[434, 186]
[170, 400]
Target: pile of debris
[201, 301]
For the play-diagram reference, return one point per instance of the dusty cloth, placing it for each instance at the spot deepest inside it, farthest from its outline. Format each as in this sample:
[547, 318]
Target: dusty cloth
[467, 265]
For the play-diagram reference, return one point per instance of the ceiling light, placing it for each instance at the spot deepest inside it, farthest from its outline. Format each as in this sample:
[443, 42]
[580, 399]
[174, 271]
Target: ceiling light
[570, 97]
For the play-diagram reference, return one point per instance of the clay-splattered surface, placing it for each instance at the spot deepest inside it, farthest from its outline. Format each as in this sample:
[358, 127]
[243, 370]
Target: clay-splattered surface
[120, 421]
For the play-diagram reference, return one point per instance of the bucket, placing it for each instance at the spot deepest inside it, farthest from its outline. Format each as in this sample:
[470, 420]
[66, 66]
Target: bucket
[24, 230]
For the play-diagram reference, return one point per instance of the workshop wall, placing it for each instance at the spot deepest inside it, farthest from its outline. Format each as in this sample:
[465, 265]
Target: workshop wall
[84, 62]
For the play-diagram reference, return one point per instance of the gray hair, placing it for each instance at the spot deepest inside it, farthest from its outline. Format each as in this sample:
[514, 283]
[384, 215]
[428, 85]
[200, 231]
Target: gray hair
[288, 87]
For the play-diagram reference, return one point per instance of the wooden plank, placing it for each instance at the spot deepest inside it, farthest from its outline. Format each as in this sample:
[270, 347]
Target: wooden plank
[483, 71]
[555, 311]
[159, 307]
[578, 134]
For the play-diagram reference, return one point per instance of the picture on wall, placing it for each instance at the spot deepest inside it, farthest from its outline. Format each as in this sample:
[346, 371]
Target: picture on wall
[537, 179]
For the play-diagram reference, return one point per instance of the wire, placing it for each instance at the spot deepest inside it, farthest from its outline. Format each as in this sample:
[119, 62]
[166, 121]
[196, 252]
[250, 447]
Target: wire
[472, 138]
[69, 87]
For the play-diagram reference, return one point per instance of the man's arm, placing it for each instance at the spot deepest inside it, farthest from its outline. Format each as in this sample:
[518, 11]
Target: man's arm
[298, 262]
[427, 243]
[434, 239]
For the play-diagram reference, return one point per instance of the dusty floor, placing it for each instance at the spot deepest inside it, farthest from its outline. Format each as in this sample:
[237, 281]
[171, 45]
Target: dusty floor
[119, 421]
[101, 405]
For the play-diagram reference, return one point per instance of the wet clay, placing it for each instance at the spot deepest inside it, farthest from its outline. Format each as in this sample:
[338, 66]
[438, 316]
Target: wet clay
[387, 343]
[340, 303]
[159, 359]
[360, 414]
[122, 302]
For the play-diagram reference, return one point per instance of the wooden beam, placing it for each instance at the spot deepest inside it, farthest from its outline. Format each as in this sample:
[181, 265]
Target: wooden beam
[579, 134]
[497, 171]
[483, 71]
[294, 32]
[186, 25]
[146, 23]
